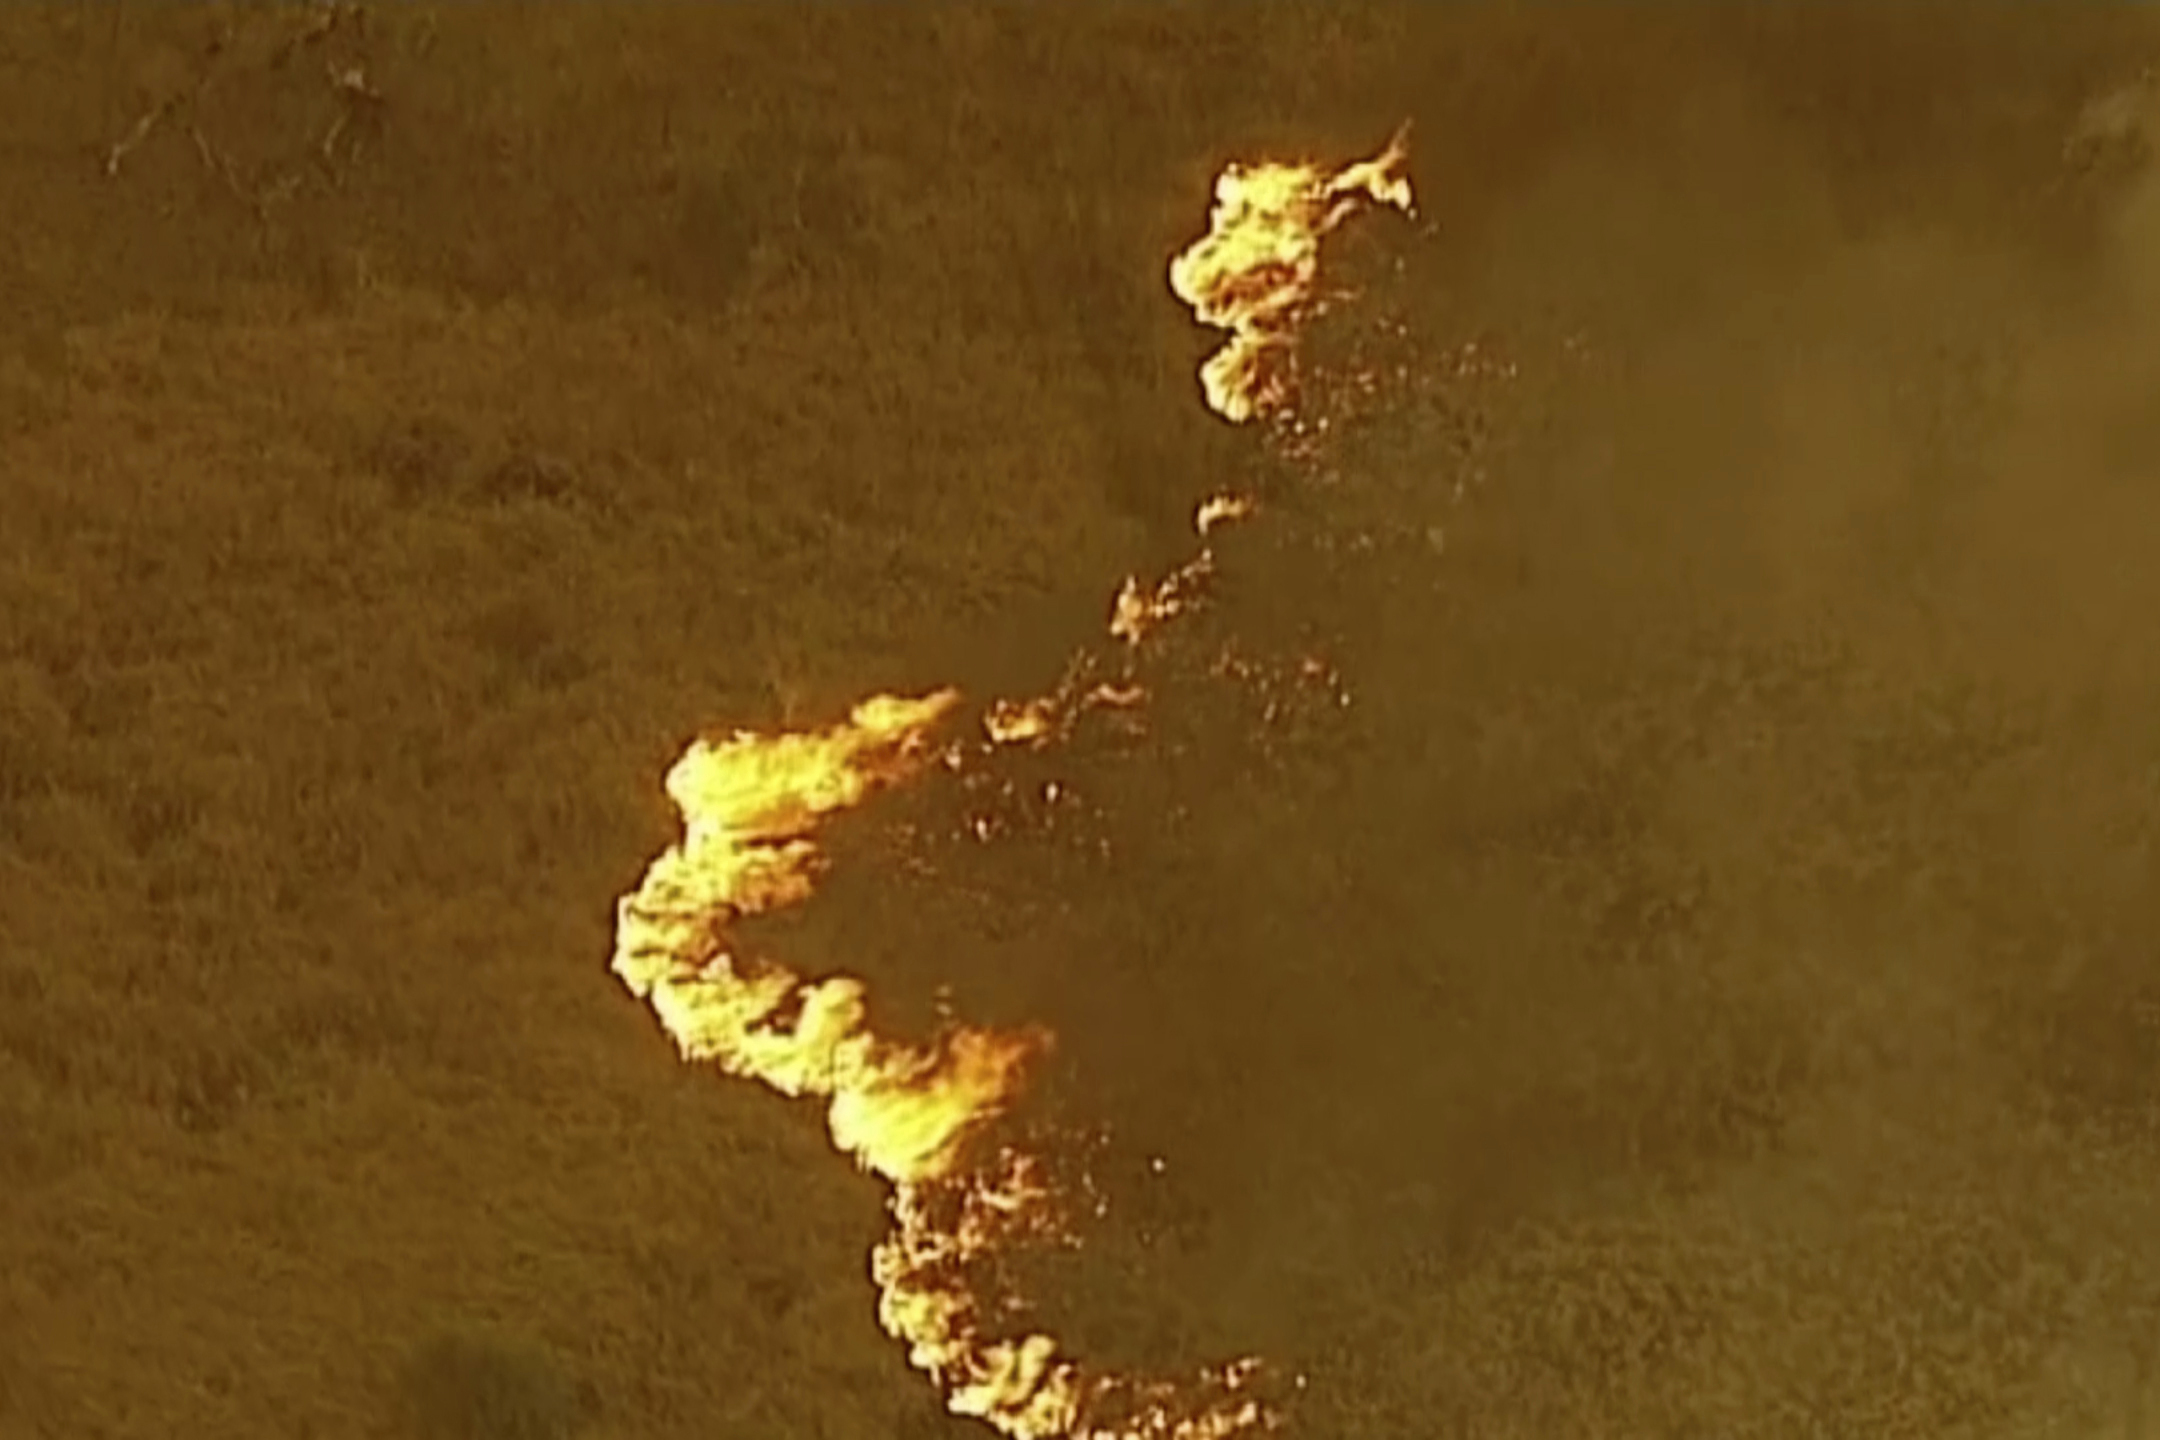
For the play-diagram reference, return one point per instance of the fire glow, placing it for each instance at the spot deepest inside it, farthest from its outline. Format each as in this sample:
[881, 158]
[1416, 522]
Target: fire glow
[919, 1115]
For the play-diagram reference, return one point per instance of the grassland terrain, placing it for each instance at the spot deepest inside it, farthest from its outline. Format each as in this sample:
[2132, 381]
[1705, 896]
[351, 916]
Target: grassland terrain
[1703, 986]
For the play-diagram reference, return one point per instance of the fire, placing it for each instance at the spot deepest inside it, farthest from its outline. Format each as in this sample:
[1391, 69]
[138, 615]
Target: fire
[749, 806]
[1254, 274]
[1220, 510]
[1139, 609]
[917, 1114]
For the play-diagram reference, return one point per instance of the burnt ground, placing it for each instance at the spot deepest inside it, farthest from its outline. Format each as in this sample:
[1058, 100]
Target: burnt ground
[1703, 986]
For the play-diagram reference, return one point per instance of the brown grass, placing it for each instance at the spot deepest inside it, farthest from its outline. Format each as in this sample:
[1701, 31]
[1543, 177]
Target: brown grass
[1704, 989]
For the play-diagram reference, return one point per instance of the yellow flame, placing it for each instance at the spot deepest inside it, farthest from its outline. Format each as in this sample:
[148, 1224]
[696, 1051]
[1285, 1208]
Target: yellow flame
[1253, 273]
[751, 805]
[1138, 610]
[1219, 510]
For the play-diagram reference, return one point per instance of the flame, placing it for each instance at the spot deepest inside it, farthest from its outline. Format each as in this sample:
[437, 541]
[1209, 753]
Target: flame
[917, 1114]
[1254, 273]
[1138, 610]
[1219, 510]
[750, 808]
[749, 805]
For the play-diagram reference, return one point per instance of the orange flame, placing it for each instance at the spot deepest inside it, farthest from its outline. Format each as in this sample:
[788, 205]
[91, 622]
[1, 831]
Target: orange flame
[1219, 510]
[751, 805]
[1253, 274]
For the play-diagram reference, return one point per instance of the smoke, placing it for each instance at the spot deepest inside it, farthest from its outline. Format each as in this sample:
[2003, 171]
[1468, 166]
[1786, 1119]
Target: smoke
[1735, 860]
[1748, 825]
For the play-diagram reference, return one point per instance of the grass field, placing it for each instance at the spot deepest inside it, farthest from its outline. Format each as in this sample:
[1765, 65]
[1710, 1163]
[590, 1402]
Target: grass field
[1704, 986]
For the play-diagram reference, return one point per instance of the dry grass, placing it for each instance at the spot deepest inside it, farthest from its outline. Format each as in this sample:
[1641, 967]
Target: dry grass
[1705, 990]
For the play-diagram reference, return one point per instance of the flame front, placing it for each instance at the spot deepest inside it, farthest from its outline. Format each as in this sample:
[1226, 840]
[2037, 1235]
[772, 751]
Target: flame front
[911, 1113]
[1254, 273]
[749, 806]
